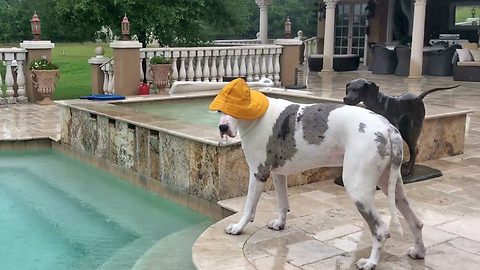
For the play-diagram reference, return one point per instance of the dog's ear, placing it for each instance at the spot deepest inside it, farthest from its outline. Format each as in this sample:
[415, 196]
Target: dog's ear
[372, 90]
[346, 89]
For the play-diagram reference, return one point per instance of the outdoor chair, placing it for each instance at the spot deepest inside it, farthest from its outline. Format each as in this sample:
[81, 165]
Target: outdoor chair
[440, 63]
[403, 54]
[385, 60]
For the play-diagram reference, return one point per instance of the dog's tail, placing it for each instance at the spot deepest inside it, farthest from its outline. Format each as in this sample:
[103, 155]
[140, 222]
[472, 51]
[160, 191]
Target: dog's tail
[396, 145]
[423, 94]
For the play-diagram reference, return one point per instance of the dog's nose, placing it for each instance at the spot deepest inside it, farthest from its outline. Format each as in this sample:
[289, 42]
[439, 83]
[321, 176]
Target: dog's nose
[223, 128]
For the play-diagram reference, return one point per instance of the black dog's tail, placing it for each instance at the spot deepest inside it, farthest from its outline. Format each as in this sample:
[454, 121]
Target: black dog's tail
[422, 95]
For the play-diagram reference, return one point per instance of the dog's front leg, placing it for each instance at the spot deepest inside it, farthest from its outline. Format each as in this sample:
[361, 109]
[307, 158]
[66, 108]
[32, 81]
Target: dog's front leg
[280, 182]
[255, 189]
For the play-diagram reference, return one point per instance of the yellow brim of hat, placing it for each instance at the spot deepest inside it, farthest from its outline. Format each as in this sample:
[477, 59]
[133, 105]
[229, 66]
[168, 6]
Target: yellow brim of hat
[238, 100]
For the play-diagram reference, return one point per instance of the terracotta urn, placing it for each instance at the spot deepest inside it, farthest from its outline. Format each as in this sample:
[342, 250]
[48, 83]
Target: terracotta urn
[45, 83]
[161, 75]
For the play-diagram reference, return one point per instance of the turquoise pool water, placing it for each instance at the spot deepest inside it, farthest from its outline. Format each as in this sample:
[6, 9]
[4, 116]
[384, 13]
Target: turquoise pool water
[59, 213]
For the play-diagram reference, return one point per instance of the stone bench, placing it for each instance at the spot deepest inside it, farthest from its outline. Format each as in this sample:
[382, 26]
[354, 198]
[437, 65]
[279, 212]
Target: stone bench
[341, 62]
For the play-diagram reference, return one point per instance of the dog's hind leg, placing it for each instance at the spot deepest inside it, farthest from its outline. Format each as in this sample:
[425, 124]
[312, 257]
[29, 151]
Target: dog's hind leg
[280, 182]
[255, 188]
[418, 250]
[360, 181]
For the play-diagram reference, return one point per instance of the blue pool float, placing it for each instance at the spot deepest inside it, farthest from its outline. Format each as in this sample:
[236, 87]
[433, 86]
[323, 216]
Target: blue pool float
[103, 97]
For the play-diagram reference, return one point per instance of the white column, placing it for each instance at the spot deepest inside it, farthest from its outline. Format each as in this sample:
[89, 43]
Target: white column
[214, 74]
[142, 56]
[329, 35]
[183, 71]
[190, 72]
[175, 55]
[9, 81]
[206, 67]
[22, 94]
[243, 63]
[221, 65]
[417, 39]
[198, 69]
[251, 54]
[263, 7]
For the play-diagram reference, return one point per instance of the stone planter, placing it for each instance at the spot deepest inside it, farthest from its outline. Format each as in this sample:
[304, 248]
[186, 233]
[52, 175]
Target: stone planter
[44, 82]
[161, 75]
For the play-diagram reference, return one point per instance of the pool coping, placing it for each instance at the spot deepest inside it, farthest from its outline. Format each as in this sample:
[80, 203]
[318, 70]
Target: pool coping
[111, 109]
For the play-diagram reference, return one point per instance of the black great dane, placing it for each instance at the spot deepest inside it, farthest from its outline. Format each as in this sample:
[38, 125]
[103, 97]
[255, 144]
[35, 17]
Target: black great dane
[406, 112]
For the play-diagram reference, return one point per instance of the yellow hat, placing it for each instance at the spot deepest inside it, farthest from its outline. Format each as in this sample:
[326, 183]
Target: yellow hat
[238, 100]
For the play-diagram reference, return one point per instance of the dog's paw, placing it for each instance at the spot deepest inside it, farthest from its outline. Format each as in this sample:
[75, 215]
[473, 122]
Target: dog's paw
[365, 264]
[417, 252]
[234, 229]
[276, 224]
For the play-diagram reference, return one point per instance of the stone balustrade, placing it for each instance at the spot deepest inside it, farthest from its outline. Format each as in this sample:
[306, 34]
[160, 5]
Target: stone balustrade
[310, 48]
[108, 76]
[236, 42]
[13, 59]
[212, 64]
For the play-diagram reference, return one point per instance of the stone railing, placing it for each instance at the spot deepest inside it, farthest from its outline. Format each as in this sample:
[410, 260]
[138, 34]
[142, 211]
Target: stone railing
[212, 64]
[14, 78]
[310, 48]
[108, 76]
[237, 42]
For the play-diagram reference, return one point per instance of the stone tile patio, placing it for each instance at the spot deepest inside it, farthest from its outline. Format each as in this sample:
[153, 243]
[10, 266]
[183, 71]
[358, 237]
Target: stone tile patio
[324, 230]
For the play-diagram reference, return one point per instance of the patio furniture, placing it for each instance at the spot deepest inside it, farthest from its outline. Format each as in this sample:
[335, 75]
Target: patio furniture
[440, 63]
[403, 55]
[465, 71]
[385, 60]
[341, 62]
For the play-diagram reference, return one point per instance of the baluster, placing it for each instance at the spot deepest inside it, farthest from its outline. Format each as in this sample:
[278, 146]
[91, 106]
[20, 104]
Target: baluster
[221, 66]
[214, 65]
[236, 70]
[22, 94]
[1, 85]
[228, 69]
[9, 81]
[270, 68]
[190, 73]
[111, 81]
[174, 66]
[142, 56]
[183, 71]
[314, 47]
[105, 79]
[206, 67]
[276, 66]
[243, 66]
[198, 69]
[306, 51]
[251, 52]
[263, 66]
[149, 77]
[256, 67]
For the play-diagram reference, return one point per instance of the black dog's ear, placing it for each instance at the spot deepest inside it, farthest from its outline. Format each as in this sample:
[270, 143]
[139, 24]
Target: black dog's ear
[346, 89]
[372, 90]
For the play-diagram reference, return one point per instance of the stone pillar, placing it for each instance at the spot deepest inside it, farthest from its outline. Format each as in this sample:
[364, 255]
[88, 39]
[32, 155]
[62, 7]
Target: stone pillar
[97, 73]
[329, 35]
[289, 59]
[263, 7]
[418, 39]
[36, 50]
[126, 67]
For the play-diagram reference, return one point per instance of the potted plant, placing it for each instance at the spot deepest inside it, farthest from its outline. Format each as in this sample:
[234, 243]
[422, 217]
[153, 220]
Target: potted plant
[160, 68]
[43, 78]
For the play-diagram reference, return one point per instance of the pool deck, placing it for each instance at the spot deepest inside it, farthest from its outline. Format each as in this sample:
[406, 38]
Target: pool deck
[324, 230]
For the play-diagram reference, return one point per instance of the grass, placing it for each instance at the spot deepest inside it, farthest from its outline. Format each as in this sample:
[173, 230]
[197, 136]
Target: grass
[463, 13]
[75, 71]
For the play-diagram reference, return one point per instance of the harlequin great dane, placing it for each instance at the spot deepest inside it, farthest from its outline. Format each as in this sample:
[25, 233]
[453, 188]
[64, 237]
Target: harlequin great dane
[290, 138]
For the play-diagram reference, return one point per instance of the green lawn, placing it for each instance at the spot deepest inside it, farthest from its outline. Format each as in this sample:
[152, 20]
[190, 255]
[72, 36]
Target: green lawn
[75, 71]
[462, 13]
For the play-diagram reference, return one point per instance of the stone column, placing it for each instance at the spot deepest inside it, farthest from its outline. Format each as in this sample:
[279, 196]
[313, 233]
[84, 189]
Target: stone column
[263, 7]
[36, 50]
[289, 59]
[329, 35]
[126, 67]
[418, 39]
[97, 73]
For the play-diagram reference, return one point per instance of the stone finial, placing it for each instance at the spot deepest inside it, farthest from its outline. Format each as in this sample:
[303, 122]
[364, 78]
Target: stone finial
[99, 52]
[258, 35]
[299, 34]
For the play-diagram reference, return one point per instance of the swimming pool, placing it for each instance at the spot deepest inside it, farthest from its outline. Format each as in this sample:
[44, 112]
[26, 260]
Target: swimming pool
[59, 213]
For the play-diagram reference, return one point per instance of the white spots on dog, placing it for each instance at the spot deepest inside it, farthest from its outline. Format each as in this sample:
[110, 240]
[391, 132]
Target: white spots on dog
[315, 121]
[361, 127]
[281, 144]
[397, 150]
